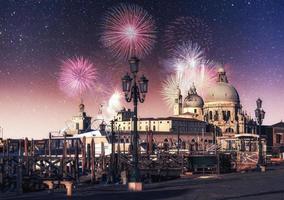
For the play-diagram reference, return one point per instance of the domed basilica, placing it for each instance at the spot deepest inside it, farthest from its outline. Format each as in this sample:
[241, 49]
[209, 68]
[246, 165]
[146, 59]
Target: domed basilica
[220, 107]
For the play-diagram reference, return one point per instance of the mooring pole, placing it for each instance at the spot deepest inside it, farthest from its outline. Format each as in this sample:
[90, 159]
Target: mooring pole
[92, 161]
[19, 169]
[83, 155]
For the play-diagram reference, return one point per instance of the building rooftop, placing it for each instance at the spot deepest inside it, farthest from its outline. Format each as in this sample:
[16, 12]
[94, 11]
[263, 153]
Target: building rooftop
[171, 118]
[279, 125]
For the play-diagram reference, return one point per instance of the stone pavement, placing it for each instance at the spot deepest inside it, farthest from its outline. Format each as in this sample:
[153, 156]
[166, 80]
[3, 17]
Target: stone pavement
[247, 186]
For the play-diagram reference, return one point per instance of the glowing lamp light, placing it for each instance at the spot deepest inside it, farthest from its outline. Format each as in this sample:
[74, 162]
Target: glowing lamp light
[126, 83]
[143, 84]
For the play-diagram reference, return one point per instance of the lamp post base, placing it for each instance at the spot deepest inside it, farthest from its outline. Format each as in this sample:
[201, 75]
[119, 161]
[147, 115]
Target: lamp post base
[135, 186]
[261, 168]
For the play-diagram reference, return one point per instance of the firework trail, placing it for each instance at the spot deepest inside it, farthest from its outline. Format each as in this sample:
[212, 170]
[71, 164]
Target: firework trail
[187, 29]
[77, 76]
[128, 30]
[189, 66]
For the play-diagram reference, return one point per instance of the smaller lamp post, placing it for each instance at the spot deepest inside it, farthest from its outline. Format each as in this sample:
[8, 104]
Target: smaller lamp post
[259, 114]
[113, 164]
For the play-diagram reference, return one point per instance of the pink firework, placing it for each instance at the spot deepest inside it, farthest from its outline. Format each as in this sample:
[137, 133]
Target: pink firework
[128, 30]
[77, 75]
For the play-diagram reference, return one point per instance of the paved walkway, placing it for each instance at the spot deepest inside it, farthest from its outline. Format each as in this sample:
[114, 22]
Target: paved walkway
[245, 186]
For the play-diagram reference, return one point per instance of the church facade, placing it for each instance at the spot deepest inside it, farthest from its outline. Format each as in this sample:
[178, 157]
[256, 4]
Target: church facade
[220, 107]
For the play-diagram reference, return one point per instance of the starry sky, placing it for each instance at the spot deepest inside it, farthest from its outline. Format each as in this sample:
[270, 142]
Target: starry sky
[36, 35]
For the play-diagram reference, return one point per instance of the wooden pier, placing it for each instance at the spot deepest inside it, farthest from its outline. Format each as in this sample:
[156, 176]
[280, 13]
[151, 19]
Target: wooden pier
[30, 165]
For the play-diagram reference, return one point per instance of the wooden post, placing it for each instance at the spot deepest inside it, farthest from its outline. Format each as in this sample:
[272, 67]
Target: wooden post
[151, 143]
[118, 155]
[49, 146]
[63, 168]
[32, 153]
[2, 170]
[68, 186]
[76, 171]
[88, 156]
[93, 161]
[26, 158]
[8, 148]
[19, 169]
[83, 155]
[26, 148]
[49, 153]
[103, 155]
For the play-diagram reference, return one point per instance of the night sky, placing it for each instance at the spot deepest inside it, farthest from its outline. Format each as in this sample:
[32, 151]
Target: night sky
[36, 35]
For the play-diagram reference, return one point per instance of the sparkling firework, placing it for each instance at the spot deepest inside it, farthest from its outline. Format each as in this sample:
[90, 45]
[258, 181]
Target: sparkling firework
[188, 29]
[76, 76]
[189, 67]
[187, 57]
[170, 90]
[128, 30]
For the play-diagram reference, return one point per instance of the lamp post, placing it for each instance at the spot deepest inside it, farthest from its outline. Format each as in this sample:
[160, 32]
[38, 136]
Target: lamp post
[136, 91]
[113, 166]
[259, 114]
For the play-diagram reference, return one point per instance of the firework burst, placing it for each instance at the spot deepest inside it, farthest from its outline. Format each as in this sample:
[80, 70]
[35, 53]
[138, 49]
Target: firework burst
[188, 29]
[128, 30]
[189, 66]
[77, 75]
[186, 57]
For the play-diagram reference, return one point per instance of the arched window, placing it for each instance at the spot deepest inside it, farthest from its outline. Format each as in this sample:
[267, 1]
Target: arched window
[210, 115]
[216, 116]
[228, 115]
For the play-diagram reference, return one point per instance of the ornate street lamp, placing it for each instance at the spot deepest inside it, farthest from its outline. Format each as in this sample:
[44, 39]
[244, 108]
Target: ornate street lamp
[259, 114]
[136, 91]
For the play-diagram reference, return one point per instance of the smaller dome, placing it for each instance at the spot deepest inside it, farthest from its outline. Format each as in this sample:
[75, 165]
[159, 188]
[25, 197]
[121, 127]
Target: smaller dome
[193, 100]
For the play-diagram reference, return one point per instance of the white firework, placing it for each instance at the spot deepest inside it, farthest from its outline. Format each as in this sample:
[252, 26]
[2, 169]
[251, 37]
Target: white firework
[189, 67]
[171, 87]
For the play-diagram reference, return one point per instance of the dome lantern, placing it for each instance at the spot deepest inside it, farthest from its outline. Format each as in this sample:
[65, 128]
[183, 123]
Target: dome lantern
[222, 91]
[222, 77]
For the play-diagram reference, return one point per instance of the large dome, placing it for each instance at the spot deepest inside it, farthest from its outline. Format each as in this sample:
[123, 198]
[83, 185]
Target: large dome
[222, 91]
[193, 100]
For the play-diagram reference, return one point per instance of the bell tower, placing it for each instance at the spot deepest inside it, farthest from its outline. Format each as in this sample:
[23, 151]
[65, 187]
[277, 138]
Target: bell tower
[178, 102]
[81, 121]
